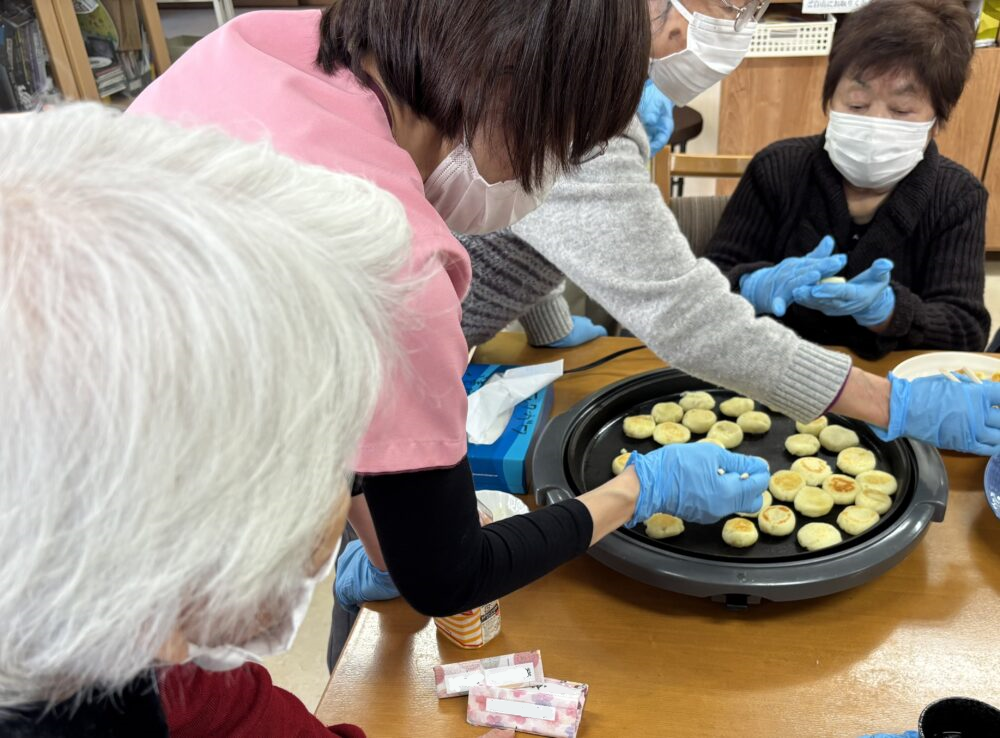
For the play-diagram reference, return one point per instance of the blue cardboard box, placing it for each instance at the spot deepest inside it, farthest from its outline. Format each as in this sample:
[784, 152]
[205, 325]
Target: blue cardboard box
[501, 465]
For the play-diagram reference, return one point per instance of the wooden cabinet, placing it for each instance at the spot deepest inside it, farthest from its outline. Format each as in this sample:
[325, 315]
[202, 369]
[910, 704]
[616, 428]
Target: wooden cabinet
[766, 100]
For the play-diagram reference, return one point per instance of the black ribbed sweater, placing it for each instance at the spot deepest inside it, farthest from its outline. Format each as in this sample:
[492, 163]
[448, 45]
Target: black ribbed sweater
[932, 226]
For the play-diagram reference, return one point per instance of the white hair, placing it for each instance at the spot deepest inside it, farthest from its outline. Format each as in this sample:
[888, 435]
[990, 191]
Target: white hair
[193, 335]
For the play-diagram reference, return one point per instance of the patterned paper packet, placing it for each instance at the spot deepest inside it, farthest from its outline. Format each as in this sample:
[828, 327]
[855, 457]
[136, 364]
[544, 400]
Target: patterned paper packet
[522, 669]
[553, 709]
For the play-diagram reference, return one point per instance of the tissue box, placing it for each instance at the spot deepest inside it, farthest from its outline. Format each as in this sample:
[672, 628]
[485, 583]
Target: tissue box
[553, 709]
[513, 670]
[501, 465]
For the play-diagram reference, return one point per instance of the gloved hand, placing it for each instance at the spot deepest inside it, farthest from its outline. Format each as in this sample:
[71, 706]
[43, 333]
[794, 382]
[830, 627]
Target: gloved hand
[771, 289]
[867, 298]
[684, 480]
[584, 331]
[358, 580]
[907, 734]
[961, 416]
[656, 111]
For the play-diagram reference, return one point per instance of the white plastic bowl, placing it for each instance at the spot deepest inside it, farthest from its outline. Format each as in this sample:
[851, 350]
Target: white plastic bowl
[930, 365]
[502, 504]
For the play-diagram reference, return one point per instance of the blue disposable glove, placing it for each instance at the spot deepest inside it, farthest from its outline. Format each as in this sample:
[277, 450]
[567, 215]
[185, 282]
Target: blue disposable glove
[771, 289]
[684, 480]
[656, 111]
[584, 331]
[358, 580]
[867, 298]
[961, 416]
[907, 734]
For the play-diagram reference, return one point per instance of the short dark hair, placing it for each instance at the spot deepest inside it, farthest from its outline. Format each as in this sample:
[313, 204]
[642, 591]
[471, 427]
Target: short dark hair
[555, 78]
[932, 39]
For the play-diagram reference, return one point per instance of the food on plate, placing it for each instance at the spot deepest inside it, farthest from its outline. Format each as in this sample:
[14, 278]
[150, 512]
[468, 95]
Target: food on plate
[813, 502]
[754, 421]
[802, 444]
[618, 465]
[814, 427]
[668, 433]
[768, 499]
[639, 426]
[716, 441]
[855, 460]
[726, 431]
[739, 533]
[842, 488]
[697, 401]
[813, 469]
[816, 536]
[777, 520]
[873, 500]
[667, 412]
[785, 484]
[661, 526]
[878, 481]
[856, 520]
[734, 407]
[836, 438]
[699, 420]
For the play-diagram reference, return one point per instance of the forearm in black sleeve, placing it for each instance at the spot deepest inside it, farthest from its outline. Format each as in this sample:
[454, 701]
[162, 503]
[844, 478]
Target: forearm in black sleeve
[440, 558]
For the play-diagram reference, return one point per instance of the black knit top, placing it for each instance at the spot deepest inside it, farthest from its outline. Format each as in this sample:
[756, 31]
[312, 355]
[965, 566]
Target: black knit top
[932, 226]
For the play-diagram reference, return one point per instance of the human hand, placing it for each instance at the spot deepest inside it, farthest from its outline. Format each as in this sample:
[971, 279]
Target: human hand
[684, 480]
[584, 331]
[868, 298]
[771, 289]
[960, 416]
[358, 581]
[656, 111]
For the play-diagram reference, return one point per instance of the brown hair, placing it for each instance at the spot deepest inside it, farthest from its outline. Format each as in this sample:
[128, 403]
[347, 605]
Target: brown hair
[931, 39]
[555, 78]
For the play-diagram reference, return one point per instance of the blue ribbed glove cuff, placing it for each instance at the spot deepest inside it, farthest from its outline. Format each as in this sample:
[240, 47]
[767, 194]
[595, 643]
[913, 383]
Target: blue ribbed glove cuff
[880, 311]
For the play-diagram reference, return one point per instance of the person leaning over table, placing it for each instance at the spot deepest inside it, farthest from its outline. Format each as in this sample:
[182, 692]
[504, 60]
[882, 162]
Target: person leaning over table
[194, 334]
[910, 222]
[395, 91]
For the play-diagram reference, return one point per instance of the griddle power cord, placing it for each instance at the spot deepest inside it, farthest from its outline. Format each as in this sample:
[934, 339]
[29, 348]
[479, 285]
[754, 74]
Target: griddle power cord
[605, 360]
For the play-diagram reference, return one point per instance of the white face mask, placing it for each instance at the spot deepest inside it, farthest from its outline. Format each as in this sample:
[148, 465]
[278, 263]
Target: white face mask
[471, 205]
[875, 153]
[714, 50]
[275, 640]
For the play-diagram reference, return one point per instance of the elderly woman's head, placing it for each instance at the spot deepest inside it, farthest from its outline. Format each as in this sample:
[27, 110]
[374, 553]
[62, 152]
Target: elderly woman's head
[897, 70]
[193, 334]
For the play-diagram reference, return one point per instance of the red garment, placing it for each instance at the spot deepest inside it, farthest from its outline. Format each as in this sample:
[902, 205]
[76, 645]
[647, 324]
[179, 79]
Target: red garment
[241, 703]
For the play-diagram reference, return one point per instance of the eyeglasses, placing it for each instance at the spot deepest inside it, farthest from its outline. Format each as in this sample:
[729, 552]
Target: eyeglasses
[752, 11]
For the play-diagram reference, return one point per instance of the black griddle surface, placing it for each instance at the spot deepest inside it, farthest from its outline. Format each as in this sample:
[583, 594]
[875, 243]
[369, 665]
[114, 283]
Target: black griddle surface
[589, 466]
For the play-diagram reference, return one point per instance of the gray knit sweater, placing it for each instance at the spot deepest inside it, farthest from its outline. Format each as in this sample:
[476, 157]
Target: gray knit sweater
[608, 229]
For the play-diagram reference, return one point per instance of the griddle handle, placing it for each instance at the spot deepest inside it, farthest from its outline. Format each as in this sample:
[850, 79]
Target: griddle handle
[552, 495]
[932, 484]
[547, 473]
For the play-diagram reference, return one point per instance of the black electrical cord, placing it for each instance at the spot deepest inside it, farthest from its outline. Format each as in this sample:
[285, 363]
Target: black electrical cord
[605, 360]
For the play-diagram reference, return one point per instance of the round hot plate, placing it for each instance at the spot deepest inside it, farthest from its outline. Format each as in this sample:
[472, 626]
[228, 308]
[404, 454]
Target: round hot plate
[575, 451]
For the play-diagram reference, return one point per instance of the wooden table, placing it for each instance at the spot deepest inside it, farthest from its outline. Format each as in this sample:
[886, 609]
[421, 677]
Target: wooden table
[663, 664]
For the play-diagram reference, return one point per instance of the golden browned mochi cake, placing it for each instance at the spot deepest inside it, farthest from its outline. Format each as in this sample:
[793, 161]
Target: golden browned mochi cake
[726, 431]
[802, 444]
[662, 525]
[767, 503]
[813, 502]
[876, 501]
[836, 438]
[668, 433]
[639, 426]
[855, 460]
[813, 428]
[813, 469]
[842, 488]
[618, 465]
[856, 520]
[754, 421]
[697, 401]
[739, 533]
[698, 420]
[734, 407]
[716, 441]
[785, 484]
[815, 536]
[667, 412]
[776, 520]
[878, 481]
